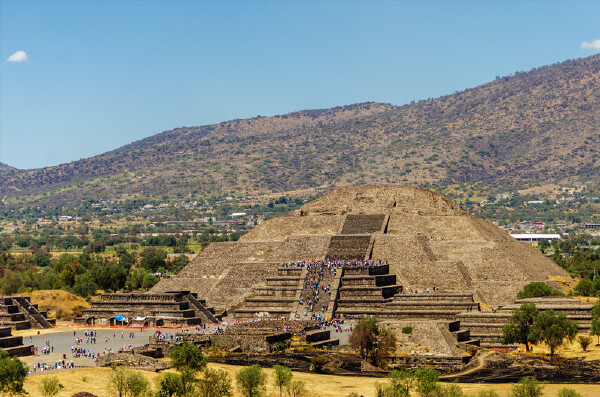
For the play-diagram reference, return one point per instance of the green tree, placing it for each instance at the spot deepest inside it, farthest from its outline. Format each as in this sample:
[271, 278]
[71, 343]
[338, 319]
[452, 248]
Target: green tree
[12, 374]
[125, 382]
[596, 311]
[372, 341]
[595, 330]
[50, 387]
[399, 384]
[187, 355]
[152, 259]
[527, 387]
[169, 385]
[296, 388]
[584, 287]
[251, 381]
[426, 381]
[553, 329]
[137, 384]
[215, 383]
[518, 328]
[282, 377]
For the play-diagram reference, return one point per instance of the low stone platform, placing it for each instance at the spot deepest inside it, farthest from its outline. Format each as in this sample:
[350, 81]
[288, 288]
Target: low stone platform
[13, 345]
[154, 309]
[487, 326]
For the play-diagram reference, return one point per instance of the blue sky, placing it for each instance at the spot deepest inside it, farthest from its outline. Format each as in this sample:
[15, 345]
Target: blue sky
[95, 75]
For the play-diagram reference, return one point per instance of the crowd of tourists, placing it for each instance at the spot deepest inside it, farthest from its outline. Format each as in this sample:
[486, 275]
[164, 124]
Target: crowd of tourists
[316, 293]
[59, 364]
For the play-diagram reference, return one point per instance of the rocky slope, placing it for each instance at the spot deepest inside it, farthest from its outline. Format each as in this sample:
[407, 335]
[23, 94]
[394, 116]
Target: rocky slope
[531, 127]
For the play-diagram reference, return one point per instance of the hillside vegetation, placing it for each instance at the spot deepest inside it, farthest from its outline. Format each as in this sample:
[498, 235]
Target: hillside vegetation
[529, 128]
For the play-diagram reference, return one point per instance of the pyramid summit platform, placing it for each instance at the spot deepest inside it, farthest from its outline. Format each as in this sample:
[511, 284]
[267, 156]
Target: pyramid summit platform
[425, 239]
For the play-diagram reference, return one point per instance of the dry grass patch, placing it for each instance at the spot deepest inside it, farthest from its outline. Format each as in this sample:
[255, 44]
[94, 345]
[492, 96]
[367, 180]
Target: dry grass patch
[59, 304]
[94, 380]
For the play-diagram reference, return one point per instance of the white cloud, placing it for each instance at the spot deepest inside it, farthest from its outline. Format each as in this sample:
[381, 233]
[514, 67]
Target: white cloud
[591, 45]
[19, 56]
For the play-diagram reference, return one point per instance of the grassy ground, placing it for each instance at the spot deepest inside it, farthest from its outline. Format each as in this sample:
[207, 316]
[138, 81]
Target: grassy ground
[95, 380]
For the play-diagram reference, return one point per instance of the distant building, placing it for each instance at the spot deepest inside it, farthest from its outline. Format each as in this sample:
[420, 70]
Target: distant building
[592, 226]
[536, 237]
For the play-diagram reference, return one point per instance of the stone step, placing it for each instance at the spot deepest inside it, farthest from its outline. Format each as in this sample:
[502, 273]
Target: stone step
[20, 351]
[273, 311]
[456, 306]
[363, 291]
[327, 342]
[410, 297]
[10, 341]
[279, 292]
[317, 335]
[290, 271]
[362, 224]
[385, 312]
[368, 280]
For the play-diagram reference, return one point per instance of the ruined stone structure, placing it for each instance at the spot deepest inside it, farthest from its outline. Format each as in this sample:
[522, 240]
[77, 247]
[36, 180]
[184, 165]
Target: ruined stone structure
[487, 326]
[13, 345]
[426, 239]
[170, 308]
[17, 312]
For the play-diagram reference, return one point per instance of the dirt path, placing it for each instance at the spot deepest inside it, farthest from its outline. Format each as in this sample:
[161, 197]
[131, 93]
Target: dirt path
[481, 363]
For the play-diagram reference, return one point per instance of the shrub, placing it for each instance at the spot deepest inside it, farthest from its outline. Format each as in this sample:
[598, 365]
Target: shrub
[536, 290]
[584, 342]
[407, 330]
[488, 393]
[50, 387]
[527, 387]
[317, 362]
[566, 392]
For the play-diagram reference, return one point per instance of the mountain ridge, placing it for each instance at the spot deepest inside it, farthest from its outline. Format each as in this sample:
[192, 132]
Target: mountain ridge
[531, 127]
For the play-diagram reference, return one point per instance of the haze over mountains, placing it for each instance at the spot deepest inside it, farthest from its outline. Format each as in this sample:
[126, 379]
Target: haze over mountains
[539, 126]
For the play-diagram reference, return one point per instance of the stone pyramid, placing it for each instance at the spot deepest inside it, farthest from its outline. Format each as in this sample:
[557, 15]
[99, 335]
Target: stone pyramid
[427, 239]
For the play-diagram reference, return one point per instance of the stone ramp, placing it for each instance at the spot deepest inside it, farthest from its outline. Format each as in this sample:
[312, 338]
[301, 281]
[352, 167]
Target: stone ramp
[363, 224]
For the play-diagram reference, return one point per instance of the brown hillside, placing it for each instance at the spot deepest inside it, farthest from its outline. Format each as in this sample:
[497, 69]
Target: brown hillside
[533, 127]
[426, 239]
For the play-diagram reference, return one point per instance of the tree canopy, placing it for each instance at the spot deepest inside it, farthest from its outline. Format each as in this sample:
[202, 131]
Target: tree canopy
[12, 374]
[519, 325]
[552, 329]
